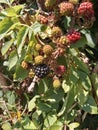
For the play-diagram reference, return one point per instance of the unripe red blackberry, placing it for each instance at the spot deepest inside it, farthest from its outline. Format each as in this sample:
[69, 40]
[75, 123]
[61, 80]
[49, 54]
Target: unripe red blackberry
[74, 36]
[39, 59]
[61, 69]
[86, 9]
[38, 47]
[41, 70]
[66, 8]
[42, 19]
[47, 49]
[56, 83]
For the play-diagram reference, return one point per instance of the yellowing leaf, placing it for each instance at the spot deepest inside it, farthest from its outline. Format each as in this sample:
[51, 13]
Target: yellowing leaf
[6, 126]
[73, 125]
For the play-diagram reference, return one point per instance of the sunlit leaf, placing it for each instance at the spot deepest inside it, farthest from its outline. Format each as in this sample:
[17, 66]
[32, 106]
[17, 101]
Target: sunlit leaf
[90, 106]
[5, 25]
[21, 38]
[31, 103]
[94, 79]
[6, 46]
[28, 124]
[73, 125]
[50, 120]
[81, 65]
[65, 86]
[90, 41]
[84, 80]
[13, 58]
[6, 126]
[36, 27]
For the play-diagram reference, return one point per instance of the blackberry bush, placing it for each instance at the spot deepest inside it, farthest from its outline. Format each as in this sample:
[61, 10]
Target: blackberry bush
[48, 65]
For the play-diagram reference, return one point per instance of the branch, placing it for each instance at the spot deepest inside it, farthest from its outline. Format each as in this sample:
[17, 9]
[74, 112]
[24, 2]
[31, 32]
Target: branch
[32, 85]
[4, 103]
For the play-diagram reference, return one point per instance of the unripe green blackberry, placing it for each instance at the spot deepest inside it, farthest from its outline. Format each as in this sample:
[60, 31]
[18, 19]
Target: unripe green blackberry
[66, 8]
[38, 47]
[24, 64]
[74, 1]
[39, 59]
[63, 40]
[56, 83]
[47, 49]
[31, 74]
[56, 31]
[49, 3]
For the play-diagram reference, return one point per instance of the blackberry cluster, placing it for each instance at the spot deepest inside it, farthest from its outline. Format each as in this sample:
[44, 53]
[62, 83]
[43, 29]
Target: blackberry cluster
[74, 36]
[86, 9]
[66, 8]
[41, 70]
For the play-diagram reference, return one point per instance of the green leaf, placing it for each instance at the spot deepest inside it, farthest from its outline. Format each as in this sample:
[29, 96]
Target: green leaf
[17, 8]
[94, 79]
[81, 65]
[66, 22]
[73, 77]
[21, 38]
[5, 25]
[84, 80]
[70, 98]
[81, 43]
[44, 85]
[6, 46]
[20, 73]
[55, 127]
[11, 99]
[10, 12]
[31, 103]
[50, 120]
[90, 41]
[67, 101]
[90, 106]
[82, 95]
[74, 51]
[54, 96]
[44, 107]
[36, 27]
[28, 124]
[13, 58]
[6, 126]
[61, 60]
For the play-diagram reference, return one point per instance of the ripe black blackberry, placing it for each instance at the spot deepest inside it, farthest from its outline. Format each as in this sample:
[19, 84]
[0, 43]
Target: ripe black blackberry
[41, 70]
